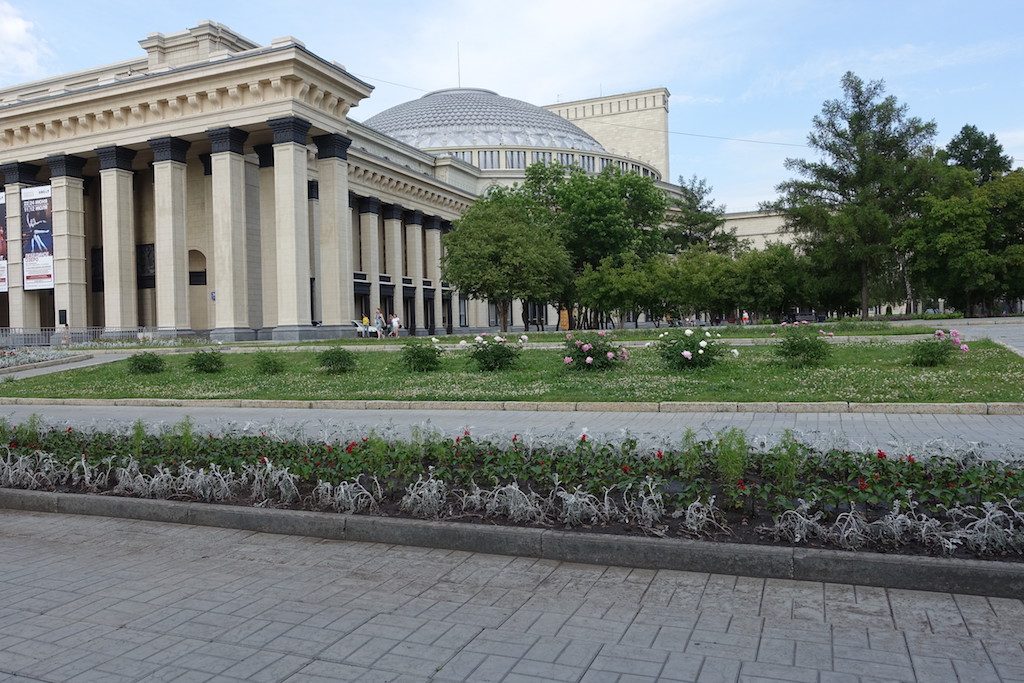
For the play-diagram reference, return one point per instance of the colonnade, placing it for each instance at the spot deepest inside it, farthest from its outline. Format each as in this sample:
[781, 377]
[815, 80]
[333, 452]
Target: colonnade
[313, 258]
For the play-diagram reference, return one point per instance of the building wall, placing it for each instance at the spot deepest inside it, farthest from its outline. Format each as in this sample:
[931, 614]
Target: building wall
[758, 228]
[632, 124]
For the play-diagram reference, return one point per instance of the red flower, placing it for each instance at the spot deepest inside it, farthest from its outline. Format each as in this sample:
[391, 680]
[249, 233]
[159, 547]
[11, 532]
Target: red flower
[861, 484]
[330, 448]
[659, 455]
[458, 440]
[626, 469]
[1009, 473]
[741, 486]
[911, 459]
[68, 430]
[13, 444]
[263, 460]
[882, 455]
[515, 438]
[350, 447]
[583, 438]
[465, 432]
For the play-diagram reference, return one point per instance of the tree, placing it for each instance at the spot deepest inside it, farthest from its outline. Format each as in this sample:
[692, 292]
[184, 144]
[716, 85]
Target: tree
[502, 249]
[772, 280]
[698, 220]
[863, 188]
[705, 281]
[980, 153]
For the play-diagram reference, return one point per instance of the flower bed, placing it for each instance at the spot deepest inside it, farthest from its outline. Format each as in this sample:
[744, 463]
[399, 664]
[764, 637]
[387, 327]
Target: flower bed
[724, 488]
[14, 357]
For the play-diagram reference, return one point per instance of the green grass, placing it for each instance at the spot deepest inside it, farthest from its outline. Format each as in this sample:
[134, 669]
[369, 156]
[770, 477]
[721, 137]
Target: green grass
[857, 328]
[869, 372]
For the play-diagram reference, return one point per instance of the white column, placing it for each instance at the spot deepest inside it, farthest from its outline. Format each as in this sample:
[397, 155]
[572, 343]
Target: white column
[414, 234]
[393, 248]
[120, 297]
[336, 288]
[24, 311]
[369, 243]
[432, 227]
[315, 271]
[69, 289]
[291, 205]
[231, 309]
[169, 197]
[268, 242]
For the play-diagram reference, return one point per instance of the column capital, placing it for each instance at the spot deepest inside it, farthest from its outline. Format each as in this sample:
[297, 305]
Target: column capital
[312, 189]
[62, 165]
[207, 163]
[265, 154]
[289, 129]
[332, 146]
[168, 148]
[227, 139]
[393, 212]
[19, 172]
[432, 222]
[369, 205]
[414, 217]
[353, 199]
[115, 157]
[446, 226]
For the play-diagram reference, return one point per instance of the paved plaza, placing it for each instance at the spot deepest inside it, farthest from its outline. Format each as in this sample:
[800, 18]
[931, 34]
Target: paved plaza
[96, 599]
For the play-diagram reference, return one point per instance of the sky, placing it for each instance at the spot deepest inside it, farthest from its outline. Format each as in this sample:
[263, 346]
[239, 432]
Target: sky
[748, 70]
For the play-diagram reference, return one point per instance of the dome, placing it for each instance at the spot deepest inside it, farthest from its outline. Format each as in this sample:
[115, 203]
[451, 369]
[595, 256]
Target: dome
[473, 117]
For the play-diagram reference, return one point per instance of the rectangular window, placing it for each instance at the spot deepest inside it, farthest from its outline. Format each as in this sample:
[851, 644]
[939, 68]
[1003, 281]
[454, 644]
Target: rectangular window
[514, 159]
[488, 159]
[463, 311]
[492, 314]
[587, 162]
[463, 155]
[542, 158]
[565, 158]
[605, 161]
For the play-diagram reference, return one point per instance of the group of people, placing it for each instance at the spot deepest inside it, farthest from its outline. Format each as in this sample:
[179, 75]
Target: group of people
[388, 327]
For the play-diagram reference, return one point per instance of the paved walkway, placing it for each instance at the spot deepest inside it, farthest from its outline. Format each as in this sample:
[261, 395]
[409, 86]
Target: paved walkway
[91, 599]
[991, 435]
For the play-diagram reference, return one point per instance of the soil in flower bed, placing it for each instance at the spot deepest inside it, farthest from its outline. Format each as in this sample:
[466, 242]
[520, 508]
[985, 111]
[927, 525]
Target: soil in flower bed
[950, 504]
[863, 372]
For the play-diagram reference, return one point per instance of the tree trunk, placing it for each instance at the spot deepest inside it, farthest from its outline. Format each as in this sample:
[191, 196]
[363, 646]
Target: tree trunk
[864, 291]
[526, 316]
[503, 315]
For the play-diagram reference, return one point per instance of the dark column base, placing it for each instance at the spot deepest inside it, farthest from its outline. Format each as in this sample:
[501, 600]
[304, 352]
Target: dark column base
[230, 334]
[295, 333]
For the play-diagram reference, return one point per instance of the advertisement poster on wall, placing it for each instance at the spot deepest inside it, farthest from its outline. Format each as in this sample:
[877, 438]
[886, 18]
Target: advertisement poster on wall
[37, 237]
[3, 242]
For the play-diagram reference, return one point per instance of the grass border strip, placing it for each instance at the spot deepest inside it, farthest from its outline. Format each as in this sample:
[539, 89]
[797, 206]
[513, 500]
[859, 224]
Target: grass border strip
[973, 577]
[994, 408]
[74, 358]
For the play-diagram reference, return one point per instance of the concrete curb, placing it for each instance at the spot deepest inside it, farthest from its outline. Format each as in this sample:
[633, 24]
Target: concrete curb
[546, 406]
[973, 577]
[75, 358]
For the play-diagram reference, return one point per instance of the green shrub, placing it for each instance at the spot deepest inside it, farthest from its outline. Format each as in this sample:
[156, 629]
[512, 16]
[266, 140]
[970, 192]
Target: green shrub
[731, 464]
[147, 363]
[206, 361]
[421, 357]
[597, 347]
[802, 347]
[269, 362]
[930, 353]
[688, 349]
[494, 354]
[337, 360]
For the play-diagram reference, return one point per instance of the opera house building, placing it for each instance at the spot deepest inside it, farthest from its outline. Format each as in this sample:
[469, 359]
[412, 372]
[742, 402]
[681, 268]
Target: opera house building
[216, 186]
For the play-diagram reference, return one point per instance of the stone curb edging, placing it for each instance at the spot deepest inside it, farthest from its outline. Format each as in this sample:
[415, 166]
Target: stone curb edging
[911, 572]
[549, 406]
[74, 358]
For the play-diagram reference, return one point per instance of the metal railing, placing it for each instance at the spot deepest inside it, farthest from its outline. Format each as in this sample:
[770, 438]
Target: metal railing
[13, 337]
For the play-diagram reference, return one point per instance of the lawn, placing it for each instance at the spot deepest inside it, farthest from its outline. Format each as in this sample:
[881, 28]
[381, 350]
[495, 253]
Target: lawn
[865, 372]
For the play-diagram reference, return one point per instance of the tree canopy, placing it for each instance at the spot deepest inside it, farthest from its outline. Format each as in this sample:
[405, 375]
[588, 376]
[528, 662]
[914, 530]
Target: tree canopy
[982, 154]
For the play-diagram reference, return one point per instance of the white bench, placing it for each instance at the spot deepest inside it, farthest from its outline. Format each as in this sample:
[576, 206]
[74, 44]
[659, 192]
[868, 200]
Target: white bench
[364, 330]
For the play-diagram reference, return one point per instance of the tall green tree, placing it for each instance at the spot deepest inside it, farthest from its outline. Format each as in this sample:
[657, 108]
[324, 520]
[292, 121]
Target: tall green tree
[980, 153]
[772, 280]
[503, 248]
[862, 189]
[696, 220]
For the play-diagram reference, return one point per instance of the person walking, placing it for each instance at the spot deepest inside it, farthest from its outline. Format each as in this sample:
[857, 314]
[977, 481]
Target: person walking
[395, 325]
[378, 322]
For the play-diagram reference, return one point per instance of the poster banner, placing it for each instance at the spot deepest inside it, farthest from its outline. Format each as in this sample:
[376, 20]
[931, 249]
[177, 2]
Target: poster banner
[3, 241]
[37, 237]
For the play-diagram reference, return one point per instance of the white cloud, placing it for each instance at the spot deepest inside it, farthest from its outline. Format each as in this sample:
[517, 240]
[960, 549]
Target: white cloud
[21, 49]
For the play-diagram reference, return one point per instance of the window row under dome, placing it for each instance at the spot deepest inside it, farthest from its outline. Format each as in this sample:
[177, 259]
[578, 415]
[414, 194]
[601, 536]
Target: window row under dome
[519, 159]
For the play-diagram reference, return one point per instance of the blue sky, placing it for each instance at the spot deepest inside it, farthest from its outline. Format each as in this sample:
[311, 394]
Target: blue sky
[755, 70]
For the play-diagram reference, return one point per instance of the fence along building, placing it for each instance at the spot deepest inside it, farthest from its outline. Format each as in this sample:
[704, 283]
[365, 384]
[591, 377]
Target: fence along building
[216, 185]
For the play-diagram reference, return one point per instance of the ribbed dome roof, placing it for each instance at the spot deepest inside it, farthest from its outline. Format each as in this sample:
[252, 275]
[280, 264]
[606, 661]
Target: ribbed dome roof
[473, 117]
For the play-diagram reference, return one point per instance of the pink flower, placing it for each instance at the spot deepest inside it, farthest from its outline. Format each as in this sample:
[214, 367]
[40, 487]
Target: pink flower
[964, 348]
[611, 356]
[821, 331]
[831, 334]
[601, 333]
[784, 324]
[586, 347]
[568, 335]
[687, 355]
[939, 334]
[567, 360]
[590, 360]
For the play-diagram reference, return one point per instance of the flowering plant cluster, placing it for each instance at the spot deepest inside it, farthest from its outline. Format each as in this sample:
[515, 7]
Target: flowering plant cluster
[592, 351]
[941, 502]
[496, 353]
[938, 350]
[800, 348]
[419, 356]
[687, 349]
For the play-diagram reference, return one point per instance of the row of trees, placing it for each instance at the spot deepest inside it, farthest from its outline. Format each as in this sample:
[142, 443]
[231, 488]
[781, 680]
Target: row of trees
[879, 216]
